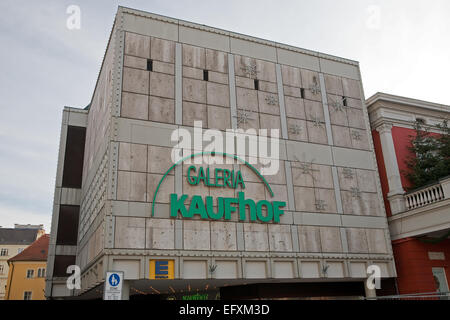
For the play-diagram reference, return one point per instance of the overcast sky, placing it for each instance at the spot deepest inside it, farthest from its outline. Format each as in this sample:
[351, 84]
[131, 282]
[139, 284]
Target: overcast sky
[403, 48]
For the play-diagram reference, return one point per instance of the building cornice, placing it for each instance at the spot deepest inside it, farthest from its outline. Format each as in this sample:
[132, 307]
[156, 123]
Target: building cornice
[403, 112]
[380, 96]
[380, 121]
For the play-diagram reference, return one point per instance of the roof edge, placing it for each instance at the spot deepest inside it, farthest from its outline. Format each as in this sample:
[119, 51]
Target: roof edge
[28, 254]
[76, 109]
[381, 96]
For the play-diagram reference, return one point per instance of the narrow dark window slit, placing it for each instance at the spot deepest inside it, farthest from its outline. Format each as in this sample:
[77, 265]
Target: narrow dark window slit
[149, 65]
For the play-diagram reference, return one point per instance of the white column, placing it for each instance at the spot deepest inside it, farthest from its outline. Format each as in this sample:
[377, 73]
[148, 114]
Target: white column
[395, 195]
[370, 293]
[126, 290]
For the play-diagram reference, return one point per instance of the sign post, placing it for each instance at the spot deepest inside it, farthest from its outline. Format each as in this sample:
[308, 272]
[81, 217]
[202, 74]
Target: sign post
[113, 285]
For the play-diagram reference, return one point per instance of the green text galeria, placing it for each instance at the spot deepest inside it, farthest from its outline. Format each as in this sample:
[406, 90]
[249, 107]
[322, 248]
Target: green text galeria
[223, 207]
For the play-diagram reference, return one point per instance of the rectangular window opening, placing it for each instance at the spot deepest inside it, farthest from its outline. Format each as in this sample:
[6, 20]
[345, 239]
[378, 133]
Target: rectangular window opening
[30, 274]
[74, 156]
[149, 65]
[60, 265]
[41, 273]
[344, 101]
[205, 75]
[67, 233]
[256, 84]
[302, 93]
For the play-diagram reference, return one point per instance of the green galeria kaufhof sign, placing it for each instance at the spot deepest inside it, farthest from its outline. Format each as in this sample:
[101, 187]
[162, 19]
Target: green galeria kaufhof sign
[222, 207]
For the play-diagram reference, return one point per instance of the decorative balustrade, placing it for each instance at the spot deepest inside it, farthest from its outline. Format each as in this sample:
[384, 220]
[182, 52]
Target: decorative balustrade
[424, 196]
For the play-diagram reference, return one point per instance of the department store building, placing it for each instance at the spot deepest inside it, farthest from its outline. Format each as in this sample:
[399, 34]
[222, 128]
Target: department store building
[195, 228]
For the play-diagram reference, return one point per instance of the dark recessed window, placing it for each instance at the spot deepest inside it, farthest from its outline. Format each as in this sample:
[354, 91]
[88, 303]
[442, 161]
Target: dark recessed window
[205, 75]
[344, 101]
[256, 84]
[149, 65]
[68, 225]
[73, 159]
[61, 264]
[302, 93]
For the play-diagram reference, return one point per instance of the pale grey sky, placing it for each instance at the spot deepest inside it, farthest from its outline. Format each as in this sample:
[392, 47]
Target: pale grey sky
[403, 48]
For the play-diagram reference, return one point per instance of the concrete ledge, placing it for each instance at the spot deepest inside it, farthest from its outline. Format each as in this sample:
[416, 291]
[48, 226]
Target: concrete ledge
[70, 196]
[353, 158]
[317, 219]
[339, 69]
[65, 250]
[145, 132]
[430, 218]
[308, 152]
[203, 38]
[364, 222]
[151, 27]
[76, 117]
[60, 290]
[296, 59]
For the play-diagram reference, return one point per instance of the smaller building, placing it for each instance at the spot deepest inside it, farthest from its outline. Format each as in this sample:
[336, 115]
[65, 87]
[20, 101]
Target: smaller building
[26, 277]
[14, 241]
[419, 219]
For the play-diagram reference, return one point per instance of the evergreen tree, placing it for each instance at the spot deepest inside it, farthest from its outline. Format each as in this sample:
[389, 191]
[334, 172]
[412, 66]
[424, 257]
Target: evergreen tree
[430, 155]
[444, 148]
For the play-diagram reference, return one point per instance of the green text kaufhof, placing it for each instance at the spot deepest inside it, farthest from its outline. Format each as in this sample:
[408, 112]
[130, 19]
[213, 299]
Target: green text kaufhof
[225, 207]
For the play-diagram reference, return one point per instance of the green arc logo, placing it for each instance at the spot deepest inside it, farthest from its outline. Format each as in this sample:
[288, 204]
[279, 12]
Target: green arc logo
[213, 153]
